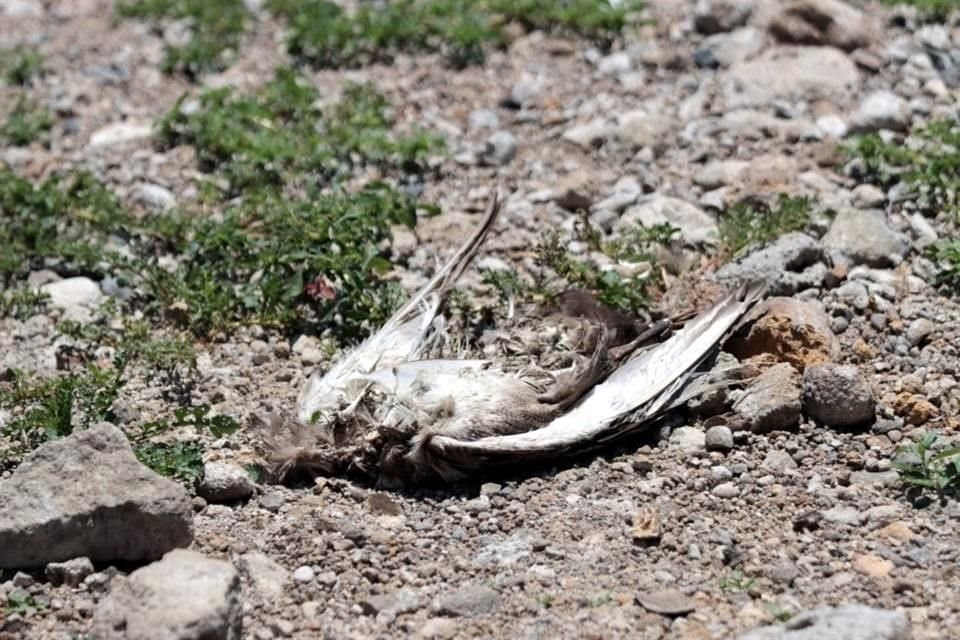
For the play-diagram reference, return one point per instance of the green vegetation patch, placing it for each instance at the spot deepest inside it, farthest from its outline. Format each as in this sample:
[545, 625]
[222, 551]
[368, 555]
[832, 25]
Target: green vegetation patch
[280, 136]
[932, 10]
[756, 223]
[946, 255]
[927, 162]
[216, 29]
[63, 223]
[26, 123]
[559, 269]
[324, 34]
[20, 65]
[930, 464]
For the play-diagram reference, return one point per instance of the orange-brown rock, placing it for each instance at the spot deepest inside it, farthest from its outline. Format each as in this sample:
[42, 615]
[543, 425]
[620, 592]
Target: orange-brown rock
[793, 331]
[914, 408]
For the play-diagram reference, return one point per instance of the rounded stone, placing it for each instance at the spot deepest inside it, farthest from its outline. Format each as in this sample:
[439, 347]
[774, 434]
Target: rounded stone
[838, 395]
[719, 438]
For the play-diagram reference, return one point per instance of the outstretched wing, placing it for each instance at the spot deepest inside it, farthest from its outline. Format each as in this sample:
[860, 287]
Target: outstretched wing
[625, 402]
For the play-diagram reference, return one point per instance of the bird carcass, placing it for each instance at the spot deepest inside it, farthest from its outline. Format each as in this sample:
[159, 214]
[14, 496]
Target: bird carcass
[401, 409]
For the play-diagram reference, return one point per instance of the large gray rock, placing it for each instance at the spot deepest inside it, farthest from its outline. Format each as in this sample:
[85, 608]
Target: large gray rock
[78, 297]
[184, 596]
[802, 72]
[850, 622]
[863, 237]
[881, 110]
[726, 49]
[838, 395]
[791, 263]
[772, 401]
[697, 227]
[224, 482]
[88, 495]
[823, 22]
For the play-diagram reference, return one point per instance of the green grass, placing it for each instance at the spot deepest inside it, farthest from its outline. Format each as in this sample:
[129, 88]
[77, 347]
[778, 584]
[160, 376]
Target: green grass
[930, 464]
[26, 123]
[755, 223]
[946, 254]
[22, 302]
[20, 65]
[290, 250]
[327, 36]
[737, 582]
[927, 162]
[559, 269]
[278, 136]
[932, 10]
[216, 30]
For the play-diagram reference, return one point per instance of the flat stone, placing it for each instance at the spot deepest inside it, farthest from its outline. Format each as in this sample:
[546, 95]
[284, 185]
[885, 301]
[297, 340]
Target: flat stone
[696, 226]
[688, 439]
[772, 400]
[469, 601]
[70, 573]
[849, 622]
[791, 263]
[642, 129]
[79, 297]
[666, 602]
[864, 237]
[823, 22]
[268, 578]
[803, 72]
[394, 603]
[184, 596]
[88, 495]
[588, 135]
[120, 133]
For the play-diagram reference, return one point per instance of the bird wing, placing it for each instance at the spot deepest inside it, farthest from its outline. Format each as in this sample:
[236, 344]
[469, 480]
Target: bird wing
[400, 339]
[640, 390]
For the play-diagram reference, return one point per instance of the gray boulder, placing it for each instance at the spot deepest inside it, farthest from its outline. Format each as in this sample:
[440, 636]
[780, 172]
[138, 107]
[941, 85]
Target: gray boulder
[88, 495]
[850, 622]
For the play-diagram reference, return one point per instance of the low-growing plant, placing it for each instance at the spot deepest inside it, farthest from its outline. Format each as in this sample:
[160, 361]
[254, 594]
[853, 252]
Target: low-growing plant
[279, 136]
[216, 30]
[27, 122]
[946, 254]
[20, 65]
[930, 464]
[737, 582]
[324, 34]
[927, 162]
[754, 222]
[22, 302]
[63, 222]
[21, 602]
[931, 10]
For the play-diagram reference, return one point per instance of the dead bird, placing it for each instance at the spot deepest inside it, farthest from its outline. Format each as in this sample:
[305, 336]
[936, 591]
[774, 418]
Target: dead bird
[387, 412]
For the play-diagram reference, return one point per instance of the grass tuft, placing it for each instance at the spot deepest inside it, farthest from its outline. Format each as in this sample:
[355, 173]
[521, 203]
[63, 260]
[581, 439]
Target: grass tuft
[755, 223]
[28, 122]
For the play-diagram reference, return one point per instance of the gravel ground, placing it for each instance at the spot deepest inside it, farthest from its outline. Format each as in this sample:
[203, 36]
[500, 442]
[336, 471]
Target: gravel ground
[731, 529]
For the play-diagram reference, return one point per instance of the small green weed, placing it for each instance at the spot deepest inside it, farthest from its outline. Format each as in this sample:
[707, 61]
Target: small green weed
[930, 464]
[49, 409]
[559, 269]
[20, 65]
[597, 600]
[28, 122]
[62, 223]
[324, 34]
[278, 136]
[779, 612]
[21, 602]
[547, 600]
[216, 29]
[754, 223]
[946, 254]
[931, 10]
[927, 162]
[737, 582]
[22, 302]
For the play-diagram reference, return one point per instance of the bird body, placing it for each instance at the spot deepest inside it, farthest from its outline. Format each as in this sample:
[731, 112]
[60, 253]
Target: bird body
[389, 413]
